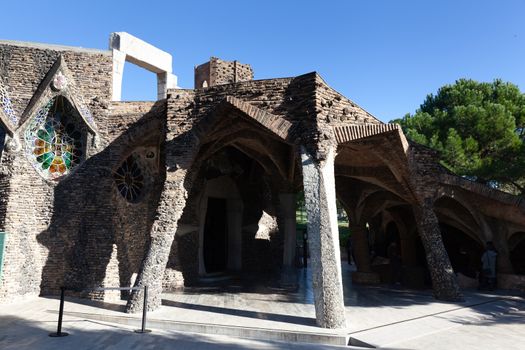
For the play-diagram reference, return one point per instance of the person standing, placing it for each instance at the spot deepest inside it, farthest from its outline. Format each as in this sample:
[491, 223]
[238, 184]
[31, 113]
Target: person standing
[349, 250]
[395, 263]
[488, 267]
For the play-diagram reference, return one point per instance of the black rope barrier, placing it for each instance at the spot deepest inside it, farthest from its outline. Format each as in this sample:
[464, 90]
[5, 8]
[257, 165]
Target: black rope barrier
[142, 329]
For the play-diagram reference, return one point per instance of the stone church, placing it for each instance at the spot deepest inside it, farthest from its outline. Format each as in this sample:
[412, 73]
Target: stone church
[95, 191]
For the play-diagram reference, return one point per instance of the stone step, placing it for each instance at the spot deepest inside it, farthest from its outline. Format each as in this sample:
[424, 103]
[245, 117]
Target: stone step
[335, 338]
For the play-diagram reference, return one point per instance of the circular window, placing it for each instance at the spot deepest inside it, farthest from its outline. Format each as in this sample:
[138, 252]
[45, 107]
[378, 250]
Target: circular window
[55, 139]
[129, 179]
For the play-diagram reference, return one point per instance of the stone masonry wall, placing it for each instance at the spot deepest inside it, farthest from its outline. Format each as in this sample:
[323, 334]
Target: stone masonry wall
[219, 72]
[66, 232]
[81, 232]
[227, 72]
[23, 66]
[32, 215]
[289, 98]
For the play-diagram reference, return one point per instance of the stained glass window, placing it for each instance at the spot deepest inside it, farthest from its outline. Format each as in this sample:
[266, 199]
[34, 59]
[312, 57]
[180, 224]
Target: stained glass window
[5, 104]
[55, 139]
[129, 179]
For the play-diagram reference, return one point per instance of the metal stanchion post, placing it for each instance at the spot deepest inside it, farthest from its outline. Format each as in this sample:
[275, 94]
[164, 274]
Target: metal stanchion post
[144, 313]
[59, 332]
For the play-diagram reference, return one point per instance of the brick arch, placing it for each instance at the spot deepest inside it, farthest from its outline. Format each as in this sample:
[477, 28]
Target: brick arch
[447, 192]
[254, 148]
[258, 131]
[265, 162]
[184, 148]
[516, 238]
[386, 148]
[274, 124]
[379, 201]
[378, 176]
[140, 133]
[347, 133]
[481, 189]
[402, 226]
[457, 222]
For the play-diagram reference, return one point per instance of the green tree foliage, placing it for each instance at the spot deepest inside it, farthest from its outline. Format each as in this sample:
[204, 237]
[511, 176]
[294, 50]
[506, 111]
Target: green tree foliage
[479, 128]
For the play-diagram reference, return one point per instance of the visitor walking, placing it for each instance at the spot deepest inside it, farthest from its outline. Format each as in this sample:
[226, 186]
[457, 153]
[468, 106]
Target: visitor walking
[305, 248]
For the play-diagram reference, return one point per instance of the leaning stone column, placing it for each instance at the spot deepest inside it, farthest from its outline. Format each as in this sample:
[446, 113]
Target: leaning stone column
[364, 274]
[443, 279]
[323, 236]
[171, 205]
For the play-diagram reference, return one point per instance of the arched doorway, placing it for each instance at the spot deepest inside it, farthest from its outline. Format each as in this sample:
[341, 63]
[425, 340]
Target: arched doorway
[220, 228]
[517, 252]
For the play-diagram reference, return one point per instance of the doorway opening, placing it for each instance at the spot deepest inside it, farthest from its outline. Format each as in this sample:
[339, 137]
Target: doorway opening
[215, 244]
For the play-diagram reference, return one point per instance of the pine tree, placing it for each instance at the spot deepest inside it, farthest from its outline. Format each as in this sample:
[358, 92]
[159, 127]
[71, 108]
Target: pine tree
[479, 128]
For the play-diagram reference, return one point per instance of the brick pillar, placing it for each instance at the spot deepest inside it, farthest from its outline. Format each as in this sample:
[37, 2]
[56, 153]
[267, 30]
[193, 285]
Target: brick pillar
[287, 201]
[443, 279]
[287, 206]
[323, 236]
[364, 274]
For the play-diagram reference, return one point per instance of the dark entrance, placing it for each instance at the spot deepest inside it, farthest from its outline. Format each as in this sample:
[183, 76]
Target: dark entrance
[215, 245]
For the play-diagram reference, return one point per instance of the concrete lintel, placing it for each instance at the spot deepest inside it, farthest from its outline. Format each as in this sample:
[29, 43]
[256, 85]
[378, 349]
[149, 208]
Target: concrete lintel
[141, 53]
[126, 47]
[119, 59]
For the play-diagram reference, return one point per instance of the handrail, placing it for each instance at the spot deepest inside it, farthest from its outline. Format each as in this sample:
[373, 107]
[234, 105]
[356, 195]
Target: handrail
[59, 332]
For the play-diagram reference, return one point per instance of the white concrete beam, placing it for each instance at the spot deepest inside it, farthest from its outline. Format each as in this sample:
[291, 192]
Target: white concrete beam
[119, 59]
[165, 81]
[141, 53]
[126, 47]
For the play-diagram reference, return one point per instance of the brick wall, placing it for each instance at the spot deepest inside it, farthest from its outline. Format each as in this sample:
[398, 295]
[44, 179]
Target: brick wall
[64, 233]
[81, 232]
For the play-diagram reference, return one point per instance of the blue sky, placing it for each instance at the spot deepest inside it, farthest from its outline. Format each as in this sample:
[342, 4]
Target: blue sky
[385, 55]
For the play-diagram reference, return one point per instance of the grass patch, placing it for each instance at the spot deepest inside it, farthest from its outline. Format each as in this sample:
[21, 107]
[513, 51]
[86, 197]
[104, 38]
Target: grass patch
[344, 231]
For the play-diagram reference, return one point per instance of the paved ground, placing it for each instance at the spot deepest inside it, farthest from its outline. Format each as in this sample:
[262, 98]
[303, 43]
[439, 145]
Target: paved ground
[378, 316]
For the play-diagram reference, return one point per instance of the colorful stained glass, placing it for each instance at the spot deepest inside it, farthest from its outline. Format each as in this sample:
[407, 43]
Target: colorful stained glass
[5, 104]
[55, 139]
[129, 179]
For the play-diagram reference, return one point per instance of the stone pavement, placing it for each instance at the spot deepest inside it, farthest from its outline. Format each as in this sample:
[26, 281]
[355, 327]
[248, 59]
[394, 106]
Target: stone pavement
[241, 315]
